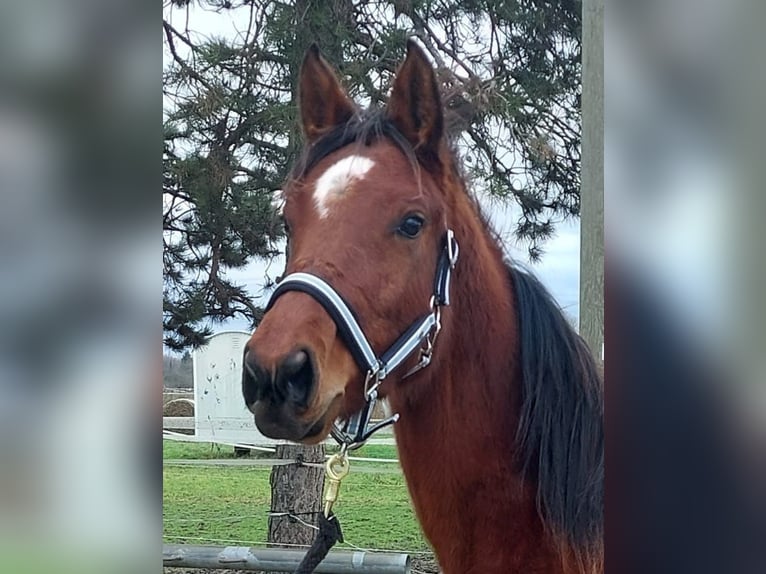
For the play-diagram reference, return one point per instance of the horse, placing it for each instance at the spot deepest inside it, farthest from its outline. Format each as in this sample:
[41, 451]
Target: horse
[500, 436]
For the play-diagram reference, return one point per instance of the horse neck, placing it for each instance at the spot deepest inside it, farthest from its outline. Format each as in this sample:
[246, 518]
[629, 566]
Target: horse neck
[458, 420]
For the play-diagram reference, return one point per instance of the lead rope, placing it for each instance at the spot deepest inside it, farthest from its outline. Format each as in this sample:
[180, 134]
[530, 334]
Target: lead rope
[329, 533]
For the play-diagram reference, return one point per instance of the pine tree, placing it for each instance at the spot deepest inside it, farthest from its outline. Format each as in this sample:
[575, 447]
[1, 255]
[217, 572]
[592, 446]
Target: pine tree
[510, 77]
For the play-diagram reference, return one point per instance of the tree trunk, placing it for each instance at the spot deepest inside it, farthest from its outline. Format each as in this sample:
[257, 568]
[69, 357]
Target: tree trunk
[296, 489]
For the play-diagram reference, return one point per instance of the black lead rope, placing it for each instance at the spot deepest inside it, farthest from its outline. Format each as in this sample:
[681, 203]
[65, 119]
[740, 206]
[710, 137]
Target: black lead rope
[329, 534]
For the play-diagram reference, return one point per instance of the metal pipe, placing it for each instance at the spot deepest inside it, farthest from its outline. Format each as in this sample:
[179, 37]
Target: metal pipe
[281, 560]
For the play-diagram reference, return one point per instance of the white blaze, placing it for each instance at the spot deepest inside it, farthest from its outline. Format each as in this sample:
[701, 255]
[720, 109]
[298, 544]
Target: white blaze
[333, 182]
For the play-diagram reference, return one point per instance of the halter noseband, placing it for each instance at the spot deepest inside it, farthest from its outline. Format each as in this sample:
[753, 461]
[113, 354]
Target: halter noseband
[421, 335]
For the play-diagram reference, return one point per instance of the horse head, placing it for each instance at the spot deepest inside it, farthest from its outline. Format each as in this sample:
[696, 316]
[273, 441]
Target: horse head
[366, 210]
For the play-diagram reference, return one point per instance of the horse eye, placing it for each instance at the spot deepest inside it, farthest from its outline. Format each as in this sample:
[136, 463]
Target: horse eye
[411, 226]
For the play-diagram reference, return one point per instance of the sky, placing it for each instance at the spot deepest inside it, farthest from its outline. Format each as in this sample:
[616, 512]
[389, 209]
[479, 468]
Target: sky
[559, 268]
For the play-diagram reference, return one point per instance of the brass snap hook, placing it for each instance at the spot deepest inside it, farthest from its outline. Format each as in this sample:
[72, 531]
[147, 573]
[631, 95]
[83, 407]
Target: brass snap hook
[335, 469]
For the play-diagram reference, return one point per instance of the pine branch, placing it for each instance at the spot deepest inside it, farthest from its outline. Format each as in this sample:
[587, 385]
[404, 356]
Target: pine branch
[170, 32]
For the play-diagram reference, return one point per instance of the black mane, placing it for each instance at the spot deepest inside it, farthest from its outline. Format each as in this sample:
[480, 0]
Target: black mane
[560, 433]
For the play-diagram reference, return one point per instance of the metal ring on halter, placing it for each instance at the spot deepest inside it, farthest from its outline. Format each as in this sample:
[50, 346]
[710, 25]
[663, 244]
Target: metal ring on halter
[368, 389]
[345, 443]
[453, 249]
[436, 309]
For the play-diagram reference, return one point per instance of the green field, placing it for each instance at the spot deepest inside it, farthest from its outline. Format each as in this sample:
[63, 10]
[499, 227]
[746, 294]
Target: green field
[218, 505]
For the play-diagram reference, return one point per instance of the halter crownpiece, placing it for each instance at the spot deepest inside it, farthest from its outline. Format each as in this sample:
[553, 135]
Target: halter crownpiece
[421, 335]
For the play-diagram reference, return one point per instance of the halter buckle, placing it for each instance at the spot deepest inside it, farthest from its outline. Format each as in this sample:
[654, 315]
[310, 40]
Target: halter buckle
[425, 360]
[369, 389]
[356, 430]
[427, 351]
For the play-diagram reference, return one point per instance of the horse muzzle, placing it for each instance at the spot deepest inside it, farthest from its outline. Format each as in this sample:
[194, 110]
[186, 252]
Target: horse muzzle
[279, 422]
[278, 394]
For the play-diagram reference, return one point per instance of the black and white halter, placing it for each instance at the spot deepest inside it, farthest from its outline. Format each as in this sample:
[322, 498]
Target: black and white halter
[421, 335]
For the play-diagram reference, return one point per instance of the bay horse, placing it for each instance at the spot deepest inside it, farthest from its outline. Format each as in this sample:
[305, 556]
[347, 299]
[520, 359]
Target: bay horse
[500, 438]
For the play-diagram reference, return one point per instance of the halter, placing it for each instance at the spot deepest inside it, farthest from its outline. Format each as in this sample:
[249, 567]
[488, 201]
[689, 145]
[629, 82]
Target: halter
[421, 335]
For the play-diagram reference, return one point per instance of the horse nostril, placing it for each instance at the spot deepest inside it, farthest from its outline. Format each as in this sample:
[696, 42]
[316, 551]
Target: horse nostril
[255, 379]
[294, 362]
[296, 377]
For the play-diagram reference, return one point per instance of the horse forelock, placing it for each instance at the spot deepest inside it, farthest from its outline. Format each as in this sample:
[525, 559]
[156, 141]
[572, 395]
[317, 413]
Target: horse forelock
[363, 129]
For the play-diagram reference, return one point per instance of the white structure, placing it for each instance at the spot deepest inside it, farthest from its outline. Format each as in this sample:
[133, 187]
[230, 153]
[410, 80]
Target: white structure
[220, 414]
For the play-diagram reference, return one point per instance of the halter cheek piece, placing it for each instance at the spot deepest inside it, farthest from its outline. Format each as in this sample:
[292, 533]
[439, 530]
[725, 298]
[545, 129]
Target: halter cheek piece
[421, 336]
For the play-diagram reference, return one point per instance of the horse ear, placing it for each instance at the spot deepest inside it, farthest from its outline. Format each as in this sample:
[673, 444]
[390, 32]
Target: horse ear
[415, 106]
[323, 102]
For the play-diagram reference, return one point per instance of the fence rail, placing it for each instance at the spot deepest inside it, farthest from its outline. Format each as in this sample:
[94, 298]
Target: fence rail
[178, 423]
[383, 437]
[281, 560]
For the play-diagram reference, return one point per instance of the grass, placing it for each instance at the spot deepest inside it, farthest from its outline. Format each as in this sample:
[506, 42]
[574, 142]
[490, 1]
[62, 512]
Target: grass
[232, 503]
[199, 450]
